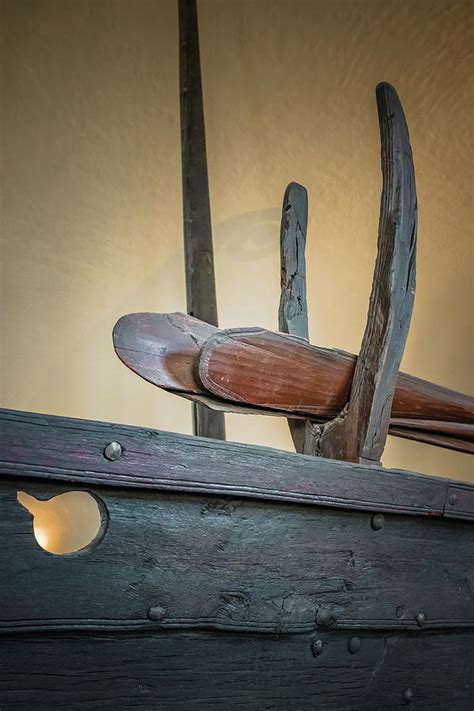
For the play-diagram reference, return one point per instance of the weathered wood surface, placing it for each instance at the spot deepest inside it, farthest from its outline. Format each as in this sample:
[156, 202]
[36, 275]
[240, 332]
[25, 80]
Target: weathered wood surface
[252, 371]
[198, 250]
[359, 433]
[431, 436]
[293, 309]
[258, 367]
[162, 348]
[232, 564]
[263, 603]
[69, 450]
[178, 671]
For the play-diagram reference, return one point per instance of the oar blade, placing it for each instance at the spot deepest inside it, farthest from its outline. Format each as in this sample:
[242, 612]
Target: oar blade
[162, 348]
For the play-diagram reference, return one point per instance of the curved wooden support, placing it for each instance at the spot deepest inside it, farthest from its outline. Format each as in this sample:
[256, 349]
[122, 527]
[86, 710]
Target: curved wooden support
[360, 432]
[293, 310]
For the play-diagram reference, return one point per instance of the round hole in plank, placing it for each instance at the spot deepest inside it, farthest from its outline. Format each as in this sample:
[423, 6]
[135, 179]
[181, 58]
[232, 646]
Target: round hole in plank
[68, 523]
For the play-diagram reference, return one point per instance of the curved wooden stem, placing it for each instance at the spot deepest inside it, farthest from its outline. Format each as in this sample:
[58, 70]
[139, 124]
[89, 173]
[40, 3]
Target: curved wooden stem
[360, 432]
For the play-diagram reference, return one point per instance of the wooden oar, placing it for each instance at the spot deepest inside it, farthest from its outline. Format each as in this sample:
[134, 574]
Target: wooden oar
[281, 372]
[164, 349]
[254, 370]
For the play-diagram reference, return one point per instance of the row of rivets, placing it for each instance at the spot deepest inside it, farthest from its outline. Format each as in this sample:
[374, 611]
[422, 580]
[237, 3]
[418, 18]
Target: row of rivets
[325, 618]
[420, 618]
[353, 647]
[377, 522]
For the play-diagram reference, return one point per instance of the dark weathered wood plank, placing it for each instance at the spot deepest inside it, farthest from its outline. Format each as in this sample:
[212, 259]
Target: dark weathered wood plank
[198, 250]
[360, 432]
[178, 671]
[293, 310]
[234, 564]
[65, 449]
[460, 501]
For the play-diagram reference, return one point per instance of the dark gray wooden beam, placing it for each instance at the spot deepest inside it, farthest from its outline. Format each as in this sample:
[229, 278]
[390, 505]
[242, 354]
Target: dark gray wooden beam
[229, 564]
[293, 310]
[64, 449]
[198, 250]
[203, 670]
[360, 432]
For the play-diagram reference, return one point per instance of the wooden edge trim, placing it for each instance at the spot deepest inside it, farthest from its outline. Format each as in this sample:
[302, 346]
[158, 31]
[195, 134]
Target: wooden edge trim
[52, 448]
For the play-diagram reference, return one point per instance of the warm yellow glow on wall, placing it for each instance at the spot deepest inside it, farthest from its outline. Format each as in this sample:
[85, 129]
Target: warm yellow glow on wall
[91, 184]
[66, 523]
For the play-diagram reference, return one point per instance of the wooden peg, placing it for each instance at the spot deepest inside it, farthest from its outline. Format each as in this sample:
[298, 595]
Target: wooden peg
[293, 311]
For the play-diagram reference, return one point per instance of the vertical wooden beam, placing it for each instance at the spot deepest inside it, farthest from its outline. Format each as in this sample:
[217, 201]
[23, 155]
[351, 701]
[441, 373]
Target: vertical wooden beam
[359, 433]
[293, 310]
[198, 251]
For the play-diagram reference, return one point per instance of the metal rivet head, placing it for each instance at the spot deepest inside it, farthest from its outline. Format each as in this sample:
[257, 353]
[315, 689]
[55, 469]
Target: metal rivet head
[420, 619]
[408, 696]
[452, 499]
[317, 647]
[156, 613]
[399, 611]
[353, 645]
[324, 618]
[113, 451]
[377, 522]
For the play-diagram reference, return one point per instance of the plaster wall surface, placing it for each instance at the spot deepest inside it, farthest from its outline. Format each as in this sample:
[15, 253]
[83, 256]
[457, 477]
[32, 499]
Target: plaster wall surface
[91, 187]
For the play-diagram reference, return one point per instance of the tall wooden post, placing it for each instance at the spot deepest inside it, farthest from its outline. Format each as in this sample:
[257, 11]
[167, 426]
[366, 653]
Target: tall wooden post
[199, 257]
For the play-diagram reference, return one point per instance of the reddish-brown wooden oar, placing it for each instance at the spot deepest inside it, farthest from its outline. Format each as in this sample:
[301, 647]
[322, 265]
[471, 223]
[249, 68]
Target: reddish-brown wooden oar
[164, 349]
[281, 372]
[258, 371]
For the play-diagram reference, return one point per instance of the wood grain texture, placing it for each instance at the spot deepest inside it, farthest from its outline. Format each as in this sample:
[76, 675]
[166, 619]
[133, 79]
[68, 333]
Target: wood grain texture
[178, 671]
[46, 447]
[198, 250]
[359, 433]
[293, 309]
[258, 367]
[230, 564]
[162, 348]
[252, 371]
[250, 575]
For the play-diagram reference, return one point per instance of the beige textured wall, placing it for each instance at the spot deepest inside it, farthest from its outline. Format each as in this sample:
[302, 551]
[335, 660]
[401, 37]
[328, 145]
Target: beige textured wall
[91, 218]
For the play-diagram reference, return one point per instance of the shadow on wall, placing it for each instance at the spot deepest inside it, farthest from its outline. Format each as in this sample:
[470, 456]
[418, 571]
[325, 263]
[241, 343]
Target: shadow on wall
[250, 236]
